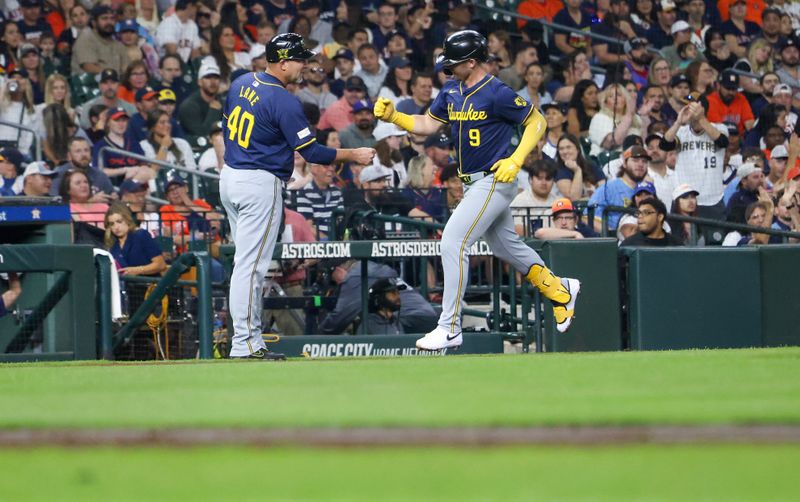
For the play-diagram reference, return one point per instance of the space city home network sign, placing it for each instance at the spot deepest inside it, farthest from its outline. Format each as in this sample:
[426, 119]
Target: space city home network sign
[324, 346]
[369, 249]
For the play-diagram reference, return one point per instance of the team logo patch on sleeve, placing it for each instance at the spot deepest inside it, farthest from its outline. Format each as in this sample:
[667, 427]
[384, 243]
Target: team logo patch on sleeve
[304, 133]
[520, 101]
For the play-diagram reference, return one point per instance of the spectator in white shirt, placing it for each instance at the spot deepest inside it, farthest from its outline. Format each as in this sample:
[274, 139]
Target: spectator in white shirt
[178, 33]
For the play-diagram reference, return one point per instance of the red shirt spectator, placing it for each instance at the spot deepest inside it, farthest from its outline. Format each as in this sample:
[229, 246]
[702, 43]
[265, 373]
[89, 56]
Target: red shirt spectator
[538, 9]
[339, 115]
[754, 10]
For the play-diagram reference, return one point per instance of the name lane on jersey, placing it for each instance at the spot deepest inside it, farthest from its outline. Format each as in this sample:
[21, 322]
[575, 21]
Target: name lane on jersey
[249, 94]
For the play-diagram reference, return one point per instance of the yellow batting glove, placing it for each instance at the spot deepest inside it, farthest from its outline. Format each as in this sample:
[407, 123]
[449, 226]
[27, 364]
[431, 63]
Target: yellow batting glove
[383, 109]
[505, 170]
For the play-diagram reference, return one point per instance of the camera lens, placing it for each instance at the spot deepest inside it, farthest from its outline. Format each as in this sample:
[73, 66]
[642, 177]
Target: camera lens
[13, 86]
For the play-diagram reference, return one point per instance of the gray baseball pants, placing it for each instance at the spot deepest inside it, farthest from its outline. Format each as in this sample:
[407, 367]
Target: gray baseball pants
[484, 212]
[253, 201]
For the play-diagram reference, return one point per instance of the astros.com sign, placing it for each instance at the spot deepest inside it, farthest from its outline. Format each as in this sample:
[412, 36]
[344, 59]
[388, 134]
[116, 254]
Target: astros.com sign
[379, 249]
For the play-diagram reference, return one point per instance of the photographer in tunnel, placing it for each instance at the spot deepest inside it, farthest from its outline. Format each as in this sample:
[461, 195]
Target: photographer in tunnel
[384, 307]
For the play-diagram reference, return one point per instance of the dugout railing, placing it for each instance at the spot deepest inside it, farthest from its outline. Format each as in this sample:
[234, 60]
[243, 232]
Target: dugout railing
[200, 342]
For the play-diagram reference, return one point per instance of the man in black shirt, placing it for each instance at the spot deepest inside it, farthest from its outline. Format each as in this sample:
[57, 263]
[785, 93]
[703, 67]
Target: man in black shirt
[651, 216]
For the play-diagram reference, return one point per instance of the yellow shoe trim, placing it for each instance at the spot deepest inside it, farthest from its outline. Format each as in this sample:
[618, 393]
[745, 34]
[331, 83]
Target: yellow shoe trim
[550, 285]
[562, 314]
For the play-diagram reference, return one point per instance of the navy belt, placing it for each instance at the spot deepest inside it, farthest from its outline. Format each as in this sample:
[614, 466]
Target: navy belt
[471, 178]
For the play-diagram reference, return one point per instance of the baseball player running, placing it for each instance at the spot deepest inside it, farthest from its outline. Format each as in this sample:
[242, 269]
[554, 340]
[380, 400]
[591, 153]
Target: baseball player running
[482, 113]
[263, 125]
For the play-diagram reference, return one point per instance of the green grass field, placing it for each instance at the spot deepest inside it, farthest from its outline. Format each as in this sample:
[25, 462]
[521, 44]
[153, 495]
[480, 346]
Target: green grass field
[688, 387]
[646, 388]
[640, 473]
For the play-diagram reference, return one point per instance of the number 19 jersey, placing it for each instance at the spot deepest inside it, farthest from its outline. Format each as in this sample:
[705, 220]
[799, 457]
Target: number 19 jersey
[263, 125]
[700, 163]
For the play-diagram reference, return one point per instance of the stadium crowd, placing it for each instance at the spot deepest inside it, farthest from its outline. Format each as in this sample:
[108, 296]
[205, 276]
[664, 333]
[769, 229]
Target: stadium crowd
[706, 90]
[663, 106]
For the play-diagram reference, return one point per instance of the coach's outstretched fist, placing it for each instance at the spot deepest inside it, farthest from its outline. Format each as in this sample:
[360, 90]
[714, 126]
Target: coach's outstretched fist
[383, 109]
[363, 156]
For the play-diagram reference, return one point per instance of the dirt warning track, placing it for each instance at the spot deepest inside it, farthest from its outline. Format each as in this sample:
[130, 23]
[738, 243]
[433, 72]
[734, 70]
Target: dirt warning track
[404, 436]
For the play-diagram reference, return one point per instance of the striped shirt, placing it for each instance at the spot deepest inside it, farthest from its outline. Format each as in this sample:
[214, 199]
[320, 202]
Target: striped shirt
[317, 204]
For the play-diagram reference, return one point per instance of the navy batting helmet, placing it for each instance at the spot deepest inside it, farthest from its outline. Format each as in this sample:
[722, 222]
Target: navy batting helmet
[464, 45]
[287, 46]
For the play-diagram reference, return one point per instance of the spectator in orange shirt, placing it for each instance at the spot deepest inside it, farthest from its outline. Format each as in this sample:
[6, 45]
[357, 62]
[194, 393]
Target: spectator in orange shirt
[538, 9]
[727, 104]
[185, 219]
[754, 10]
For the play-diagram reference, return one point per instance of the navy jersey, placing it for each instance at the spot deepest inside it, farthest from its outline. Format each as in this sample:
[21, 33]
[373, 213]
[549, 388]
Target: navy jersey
[263, 125]
[482, 119]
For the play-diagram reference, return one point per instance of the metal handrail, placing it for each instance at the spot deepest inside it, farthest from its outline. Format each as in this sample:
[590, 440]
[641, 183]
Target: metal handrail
[31, 130]
[192, 172]
[725, 225]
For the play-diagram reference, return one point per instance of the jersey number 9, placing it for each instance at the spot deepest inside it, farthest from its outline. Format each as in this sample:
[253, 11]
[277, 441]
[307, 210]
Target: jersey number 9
[242, 123]
[474, 137]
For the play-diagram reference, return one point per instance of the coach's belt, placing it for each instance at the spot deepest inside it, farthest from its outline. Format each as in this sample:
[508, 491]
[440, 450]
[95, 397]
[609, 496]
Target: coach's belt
[471, 178]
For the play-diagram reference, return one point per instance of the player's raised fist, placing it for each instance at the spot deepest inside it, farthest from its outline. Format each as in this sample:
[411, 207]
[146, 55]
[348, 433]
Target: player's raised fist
[363, 156]
[384, 108]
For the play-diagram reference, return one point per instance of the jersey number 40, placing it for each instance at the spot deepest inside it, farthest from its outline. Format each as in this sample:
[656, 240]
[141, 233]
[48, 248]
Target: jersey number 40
[240, 126]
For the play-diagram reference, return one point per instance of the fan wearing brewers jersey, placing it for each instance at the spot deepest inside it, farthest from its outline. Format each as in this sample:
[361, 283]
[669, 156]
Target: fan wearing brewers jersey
[482, 113]
[701, 153]
[263, 125]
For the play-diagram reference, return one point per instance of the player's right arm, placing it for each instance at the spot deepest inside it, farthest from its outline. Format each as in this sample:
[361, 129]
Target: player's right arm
[298, 134]
[417, 124]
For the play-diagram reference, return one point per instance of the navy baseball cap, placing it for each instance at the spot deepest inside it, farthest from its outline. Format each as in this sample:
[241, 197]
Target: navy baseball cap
[645, 186]
[562, 107]
[355, 84]
[398, 62]
[438, 140]
[100, 10]
[729, 80]
[13, 156]
[309, 4]
[128, 25]
[30, 3]
[678, 79]
[118, 113]
[109, 74]
[146, 93]
[175, 180]
[361, 105]
[789, 42]
[344, 53]
[132, 186]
